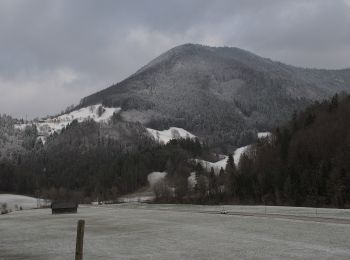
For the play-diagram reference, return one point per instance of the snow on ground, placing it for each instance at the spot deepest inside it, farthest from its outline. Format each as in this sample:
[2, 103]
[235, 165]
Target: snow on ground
[21, 201]
[155, 177]
[139, 231]
[146, 194]
[239, 152]
[137, 197]
[42, 139]
[89, 112]
[172, 133]
[192, 180]
[51, 125]
[264, 134]
[222, 163]
[236, 156]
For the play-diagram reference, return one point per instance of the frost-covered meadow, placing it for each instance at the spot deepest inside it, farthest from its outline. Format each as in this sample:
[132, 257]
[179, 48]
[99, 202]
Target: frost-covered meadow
[15, 202]
[141, 231]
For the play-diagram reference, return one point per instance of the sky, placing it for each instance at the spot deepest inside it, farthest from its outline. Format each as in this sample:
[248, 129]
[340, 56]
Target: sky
[53, 53]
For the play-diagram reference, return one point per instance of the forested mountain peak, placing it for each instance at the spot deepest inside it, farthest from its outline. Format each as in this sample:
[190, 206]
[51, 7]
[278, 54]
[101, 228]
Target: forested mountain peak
[222, 94]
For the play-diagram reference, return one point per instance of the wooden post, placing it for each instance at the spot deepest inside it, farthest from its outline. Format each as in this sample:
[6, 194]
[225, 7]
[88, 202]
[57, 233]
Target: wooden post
[80, 240]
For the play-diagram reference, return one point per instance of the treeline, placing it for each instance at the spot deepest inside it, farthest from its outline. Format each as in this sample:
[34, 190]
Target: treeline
[306, 162]
[89, 161]
[14, 142]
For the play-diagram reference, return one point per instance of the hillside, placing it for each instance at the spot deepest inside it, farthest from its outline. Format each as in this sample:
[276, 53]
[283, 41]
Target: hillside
[107, 146]
[51, 125]
[224, 95]
[14, 142]
[97, 113]
[306, 162]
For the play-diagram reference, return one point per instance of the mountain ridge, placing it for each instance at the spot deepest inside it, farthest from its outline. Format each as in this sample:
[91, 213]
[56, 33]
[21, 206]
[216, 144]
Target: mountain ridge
[219, 93]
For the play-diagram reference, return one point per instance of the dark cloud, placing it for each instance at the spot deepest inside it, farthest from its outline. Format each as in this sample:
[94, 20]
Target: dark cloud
[55, 52]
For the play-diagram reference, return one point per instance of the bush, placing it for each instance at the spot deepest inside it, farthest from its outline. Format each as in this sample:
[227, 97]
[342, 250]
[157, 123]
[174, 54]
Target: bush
[4, 209]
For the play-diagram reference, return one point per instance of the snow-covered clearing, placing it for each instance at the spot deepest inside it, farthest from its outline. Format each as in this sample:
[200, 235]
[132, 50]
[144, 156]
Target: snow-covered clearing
[17, 201]
[90, 112]
[98, 113]
[264, 134]
[236, 156]
[146, 194]
[172, 133]
[222, 163]
[139, 231]
[154, 177]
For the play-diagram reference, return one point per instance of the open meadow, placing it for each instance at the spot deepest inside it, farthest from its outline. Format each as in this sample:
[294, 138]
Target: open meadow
[143, 231]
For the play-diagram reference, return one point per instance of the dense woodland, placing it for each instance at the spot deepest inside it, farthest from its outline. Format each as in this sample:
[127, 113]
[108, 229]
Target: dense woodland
[306, 162]
[89, 161]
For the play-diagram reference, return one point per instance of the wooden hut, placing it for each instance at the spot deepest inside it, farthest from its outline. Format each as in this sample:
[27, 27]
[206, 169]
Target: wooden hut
[61, 207]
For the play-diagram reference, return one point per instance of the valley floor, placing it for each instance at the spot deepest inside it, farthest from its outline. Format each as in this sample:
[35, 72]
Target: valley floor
[142, 231]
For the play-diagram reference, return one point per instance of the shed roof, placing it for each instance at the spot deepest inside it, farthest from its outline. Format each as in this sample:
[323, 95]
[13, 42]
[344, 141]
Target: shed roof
[63, 205]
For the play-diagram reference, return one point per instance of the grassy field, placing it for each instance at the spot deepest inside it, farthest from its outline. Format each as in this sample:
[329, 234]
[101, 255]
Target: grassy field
[139, 231]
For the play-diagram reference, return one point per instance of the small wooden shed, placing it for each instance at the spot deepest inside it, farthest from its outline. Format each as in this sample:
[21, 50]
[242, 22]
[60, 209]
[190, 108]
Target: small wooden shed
[61, 207]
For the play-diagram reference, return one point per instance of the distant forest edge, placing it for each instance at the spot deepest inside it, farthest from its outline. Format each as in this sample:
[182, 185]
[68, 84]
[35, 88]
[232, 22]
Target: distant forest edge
[306, 162]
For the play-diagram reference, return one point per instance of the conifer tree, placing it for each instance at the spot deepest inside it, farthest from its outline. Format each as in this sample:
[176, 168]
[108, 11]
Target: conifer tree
[230, 183]
[213, 185]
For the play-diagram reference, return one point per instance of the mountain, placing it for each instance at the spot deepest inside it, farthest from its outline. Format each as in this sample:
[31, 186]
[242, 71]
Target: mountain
[223, 95]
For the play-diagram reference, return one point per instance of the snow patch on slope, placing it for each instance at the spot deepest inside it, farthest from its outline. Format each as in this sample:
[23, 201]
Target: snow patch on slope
[98, 113]
[146, 195]
[222, 163]
[21, 201]
[264, 134]
[172, 133]
[236, 156]
[192, 180]
[155, 177]
[90, 112]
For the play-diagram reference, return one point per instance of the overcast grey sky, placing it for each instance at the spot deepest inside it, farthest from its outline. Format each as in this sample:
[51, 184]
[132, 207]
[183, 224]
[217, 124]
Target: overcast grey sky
[52, 53]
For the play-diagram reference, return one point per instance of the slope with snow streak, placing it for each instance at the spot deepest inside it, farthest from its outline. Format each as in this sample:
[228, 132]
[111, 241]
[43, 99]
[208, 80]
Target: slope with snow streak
[236, 156]
[222, 163]
[90, 112]
[172, 133]
[56, 124]
[51, 125]
[264, 134]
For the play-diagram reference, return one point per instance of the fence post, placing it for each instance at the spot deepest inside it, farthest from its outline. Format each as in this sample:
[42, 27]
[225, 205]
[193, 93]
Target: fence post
[80, 240]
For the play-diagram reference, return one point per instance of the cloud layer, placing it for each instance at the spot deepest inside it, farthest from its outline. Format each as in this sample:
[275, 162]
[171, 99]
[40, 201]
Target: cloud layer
[55, 52]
